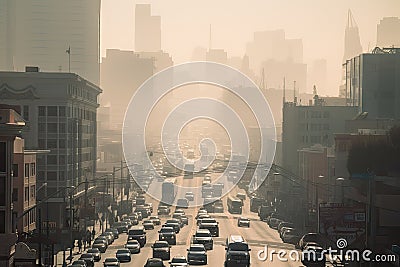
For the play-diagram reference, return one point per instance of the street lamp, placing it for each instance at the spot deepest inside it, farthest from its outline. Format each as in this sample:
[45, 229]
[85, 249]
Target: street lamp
[72, 189]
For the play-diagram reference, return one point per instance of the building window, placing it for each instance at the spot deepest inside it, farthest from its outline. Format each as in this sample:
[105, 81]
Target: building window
[42, 127]
[52, 176]
[33, 192]
[61, 160]
[62, 127]
[52, 128]
[61, 143]
[26, 194]
[15, 170]
[42, 143]
[3, 154]
[51, 159]
[26, 113]
[26, 170]
[15, 195]
[51, 143]
[40, 176]
[33, 168]
[42, 111]
[2, 191]
[61, 111]
[52, 111]
[326, 114]
[62, 176]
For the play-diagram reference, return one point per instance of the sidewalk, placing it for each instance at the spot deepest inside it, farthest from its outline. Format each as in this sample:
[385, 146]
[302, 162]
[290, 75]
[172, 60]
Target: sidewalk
[75, 253]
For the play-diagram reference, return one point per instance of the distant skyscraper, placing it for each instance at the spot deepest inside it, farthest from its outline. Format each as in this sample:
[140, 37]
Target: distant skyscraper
[147, 29]
[45, 30]
[388, 32]
[352, 44]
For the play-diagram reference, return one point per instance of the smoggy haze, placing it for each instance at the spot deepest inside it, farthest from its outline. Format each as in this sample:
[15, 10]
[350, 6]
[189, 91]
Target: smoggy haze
[185, 25]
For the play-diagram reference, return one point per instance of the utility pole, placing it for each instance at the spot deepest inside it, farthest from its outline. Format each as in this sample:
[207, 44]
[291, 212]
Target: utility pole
[122, 187]
[71, 221]
[68, 51]
[86, 202]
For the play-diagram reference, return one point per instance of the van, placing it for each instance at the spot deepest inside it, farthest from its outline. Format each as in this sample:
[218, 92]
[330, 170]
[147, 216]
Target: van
[237, 252]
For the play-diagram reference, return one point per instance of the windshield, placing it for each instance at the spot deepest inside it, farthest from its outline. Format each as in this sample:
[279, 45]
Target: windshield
[179, 260]
[133, 242]
[92, 250]
[167, 230]
[197, 248]
[136, 232]
[238, 246]
[203, 235]
[160, 245]
[111, 260]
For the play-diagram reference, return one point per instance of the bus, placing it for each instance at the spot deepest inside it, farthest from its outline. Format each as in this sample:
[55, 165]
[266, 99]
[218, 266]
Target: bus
[255, 203]
[168, 191]
[234, 205]
[188, 171]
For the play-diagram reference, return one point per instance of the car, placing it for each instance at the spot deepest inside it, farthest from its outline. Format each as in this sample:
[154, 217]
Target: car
[243, 221]
[178, 216]
[111, 262]
[182, 203]
[79, 263]
[145, 211]
[161, 249]
[218, 207]
[109, 237]
[123, 255]
[212, 226]
[113, 231]
[155, 220]
[175, 223]
[241, 196]
[138, 233]
[185, 219]
[122, 227]
[167, 234]
[134, 219]
[291, 237]
[154, 262]
[274, 222]
[133, 246]
[189, 196]
[310, 237]
[237, 251]
[139, 215]
[95, 252]
[203, 236]
[88, 258]
[178, 261]
[163, 210]
[148, 224]
[100, 245]
[197, 253]
[201, 217]
[284, 224]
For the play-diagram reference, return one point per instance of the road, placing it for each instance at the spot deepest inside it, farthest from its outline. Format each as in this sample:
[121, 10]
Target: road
[258, 236]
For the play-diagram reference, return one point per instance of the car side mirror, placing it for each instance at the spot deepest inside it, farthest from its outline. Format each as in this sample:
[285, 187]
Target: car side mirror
[249, 249]
[187, 249]
[226, 248]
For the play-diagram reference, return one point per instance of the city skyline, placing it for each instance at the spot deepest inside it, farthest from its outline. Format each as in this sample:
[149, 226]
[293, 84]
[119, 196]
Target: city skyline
[320, 26]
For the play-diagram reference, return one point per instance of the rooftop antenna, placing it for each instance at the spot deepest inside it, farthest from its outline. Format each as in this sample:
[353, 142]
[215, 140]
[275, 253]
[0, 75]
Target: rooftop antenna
[68, 51]
[294, 92]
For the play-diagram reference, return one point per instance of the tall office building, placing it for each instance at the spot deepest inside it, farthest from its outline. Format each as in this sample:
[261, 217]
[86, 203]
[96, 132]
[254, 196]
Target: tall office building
[352, 43]
[45, 31]
[372, 83]
[147, 29]
[388, 32]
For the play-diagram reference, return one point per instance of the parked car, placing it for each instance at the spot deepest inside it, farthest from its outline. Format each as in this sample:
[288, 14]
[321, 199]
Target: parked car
[291, 237]
[243, 221]
[133, 246]
[111, 262]
[310, 238]
[161, 249]
[79, 263]
[123, 255]
[113, 231]
[88, 258]
[100, 245]
[197, 253]
[95, 252]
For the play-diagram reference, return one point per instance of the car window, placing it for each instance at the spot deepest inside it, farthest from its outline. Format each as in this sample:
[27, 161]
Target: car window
[160, 245]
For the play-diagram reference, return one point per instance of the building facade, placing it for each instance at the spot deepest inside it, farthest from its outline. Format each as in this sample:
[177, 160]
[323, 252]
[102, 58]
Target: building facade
[11, 125]
[373, 83]
[304, 126]
[45, 30]
[60, 114]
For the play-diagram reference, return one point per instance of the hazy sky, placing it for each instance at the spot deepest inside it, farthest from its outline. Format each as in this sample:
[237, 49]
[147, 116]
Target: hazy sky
[185, 25]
